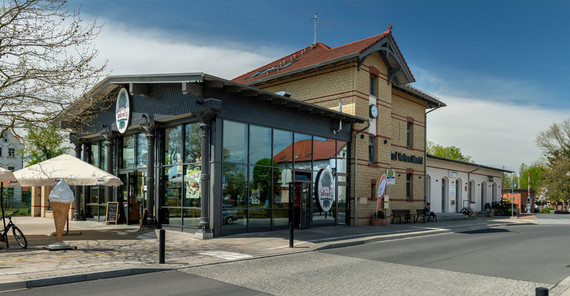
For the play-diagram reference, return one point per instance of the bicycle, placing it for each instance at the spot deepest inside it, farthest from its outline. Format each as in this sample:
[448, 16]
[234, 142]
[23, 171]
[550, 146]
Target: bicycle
[18, 234]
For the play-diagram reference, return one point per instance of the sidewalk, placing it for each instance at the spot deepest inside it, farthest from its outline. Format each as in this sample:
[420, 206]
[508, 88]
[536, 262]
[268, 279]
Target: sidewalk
[105, 251]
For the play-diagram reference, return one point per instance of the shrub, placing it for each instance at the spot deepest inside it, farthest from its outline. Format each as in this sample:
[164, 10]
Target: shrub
[379, 215]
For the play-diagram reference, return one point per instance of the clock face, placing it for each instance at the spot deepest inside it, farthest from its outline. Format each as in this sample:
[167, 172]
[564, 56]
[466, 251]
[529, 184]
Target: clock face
[373, 111]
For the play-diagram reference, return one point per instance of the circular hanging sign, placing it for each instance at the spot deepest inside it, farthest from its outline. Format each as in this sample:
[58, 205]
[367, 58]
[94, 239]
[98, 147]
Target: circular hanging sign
[122, 111]
[325, 189]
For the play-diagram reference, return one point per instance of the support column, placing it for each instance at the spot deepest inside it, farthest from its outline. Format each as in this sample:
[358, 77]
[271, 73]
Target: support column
[204, 227]
[151, 221]
[109, 158]
[77, 215]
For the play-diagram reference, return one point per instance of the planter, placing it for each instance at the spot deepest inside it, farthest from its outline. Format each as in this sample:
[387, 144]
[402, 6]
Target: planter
[378, 222]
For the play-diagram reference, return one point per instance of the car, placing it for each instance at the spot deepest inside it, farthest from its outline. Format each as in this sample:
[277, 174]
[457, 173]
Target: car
[229, 214]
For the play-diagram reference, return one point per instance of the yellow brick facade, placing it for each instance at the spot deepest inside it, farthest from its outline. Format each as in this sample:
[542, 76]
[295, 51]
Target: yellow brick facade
[344, 81]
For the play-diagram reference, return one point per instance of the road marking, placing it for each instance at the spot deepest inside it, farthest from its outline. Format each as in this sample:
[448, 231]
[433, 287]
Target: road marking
[226, 255]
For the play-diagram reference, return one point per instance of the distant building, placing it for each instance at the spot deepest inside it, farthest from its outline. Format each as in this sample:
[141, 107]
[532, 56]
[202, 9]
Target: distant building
[11, 159]
[452, 185]
[521, 198]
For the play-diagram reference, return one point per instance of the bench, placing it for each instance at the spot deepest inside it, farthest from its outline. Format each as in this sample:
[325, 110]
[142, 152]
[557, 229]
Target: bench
[399, 214]
[421, 213]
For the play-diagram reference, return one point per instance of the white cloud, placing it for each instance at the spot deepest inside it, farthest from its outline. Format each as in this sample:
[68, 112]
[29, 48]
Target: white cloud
[131, 51]
[492, 133]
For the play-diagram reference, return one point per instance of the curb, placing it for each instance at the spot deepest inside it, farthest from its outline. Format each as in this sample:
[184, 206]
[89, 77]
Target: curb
[6, 287]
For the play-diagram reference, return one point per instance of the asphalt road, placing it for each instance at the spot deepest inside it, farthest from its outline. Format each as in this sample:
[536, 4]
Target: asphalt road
[509, 260]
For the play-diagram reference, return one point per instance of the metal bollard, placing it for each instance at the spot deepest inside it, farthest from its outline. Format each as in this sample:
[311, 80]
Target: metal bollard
[540, 291]
[161, 243]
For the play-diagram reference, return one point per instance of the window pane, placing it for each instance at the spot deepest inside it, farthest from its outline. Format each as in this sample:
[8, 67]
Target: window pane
[283, 156]
[235, 142]
[259, 219]
[94, 157]
[325, 153]
[234, 185]
[342, 157]
[259, 186]
[192, 186]
[259, 145]
[173, 186]
[142, 150]
[173, 145]
[193, 143]
[103, 156]
[128, 152]
[302, 151]
[191, 217]
[280, 218]
[342, 204]
[280, 188]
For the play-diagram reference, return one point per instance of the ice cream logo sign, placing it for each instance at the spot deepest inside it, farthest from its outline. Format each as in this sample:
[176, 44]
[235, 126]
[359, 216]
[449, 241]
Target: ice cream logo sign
[122, 110]
[325, 189]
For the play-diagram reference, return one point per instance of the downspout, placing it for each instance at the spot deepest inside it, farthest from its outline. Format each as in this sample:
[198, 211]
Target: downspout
[469, 184]
[425, 152]
[356, 163]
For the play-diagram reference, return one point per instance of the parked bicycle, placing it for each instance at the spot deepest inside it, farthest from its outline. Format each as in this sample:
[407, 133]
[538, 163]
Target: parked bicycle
[18, 234]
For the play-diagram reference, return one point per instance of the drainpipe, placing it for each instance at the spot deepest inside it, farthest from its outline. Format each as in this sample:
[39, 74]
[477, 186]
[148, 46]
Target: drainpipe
[425, 152]
[356, 163]
[469, 184]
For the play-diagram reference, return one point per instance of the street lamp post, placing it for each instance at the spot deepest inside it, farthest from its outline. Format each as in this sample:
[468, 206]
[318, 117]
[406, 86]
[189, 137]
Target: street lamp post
[513, 184]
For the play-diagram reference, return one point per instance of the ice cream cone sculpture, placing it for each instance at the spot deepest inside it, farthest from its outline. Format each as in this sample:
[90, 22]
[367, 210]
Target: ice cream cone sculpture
[60, 212]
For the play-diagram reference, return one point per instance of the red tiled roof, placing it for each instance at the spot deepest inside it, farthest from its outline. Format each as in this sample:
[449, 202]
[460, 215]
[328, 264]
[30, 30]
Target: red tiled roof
[308, 56]
[322, 150]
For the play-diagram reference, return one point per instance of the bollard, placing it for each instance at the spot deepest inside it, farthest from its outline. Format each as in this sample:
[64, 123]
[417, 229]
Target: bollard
[161, 243]
[540, 291]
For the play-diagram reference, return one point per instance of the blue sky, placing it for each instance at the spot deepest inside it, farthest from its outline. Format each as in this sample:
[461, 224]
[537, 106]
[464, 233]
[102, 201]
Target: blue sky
[501, 66]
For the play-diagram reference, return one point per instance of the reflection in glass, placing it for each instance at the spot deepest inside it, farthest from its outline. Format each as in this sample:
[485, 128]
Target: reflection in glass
[342, 157]
[259, 144]
[259, 186]
[259, 219]
[103, 156]
[173, 146]
[191, 217]
[94, 156]
[235, 142]
[173, 186]
[128, 149]
[302, 151]
[142, 150]
[342, 204]
[280, 218]
[193, 151]
[283, 156]
[235, 185]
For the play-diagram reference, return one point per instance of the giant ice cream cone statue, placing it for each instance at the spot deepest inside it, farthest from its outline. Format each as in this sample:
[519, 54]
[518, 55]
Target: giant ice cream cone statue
[61, 198]
[60, 212]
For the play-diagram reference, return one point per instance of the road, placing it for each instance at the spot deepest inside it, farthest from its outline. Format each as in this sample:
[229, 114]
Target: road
[510, 260]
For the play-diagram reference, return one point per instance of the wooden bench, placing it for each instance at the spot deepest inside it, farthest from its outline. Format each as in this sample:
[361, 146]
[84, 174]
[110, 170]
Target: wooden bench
[399, 214]
[421, 214]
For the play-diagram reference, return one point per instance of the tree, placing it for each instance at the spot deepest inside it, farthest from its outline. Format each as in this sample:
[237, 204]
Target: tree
[450, 152]
[536, 171]
[46, 60]
[557, 180]
[555, 141]
[43, 143]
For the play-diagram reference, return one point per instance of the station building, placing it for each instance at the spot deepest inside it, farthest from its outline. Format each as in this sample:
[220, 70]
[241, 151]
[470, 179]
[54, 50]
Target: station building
[452, 185]
[313, 131]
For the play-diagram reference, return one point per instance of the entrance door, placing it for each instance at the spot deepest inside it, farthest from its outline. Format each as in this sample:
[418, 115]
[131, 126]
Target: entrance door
[134, 195]
[443, 194]
[303, 206]
[457, 195]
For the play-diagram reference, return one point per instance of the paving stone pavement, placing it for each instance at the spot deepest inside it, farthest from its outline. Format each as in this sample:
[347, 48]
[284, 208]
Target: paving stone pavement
[105, 251]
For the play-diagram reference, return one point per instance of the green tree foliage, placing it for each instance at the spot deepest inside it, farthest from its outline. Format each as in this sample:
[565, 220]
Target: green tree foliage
[536, 171]
[557, 180]
[43, 143]
[450, 152]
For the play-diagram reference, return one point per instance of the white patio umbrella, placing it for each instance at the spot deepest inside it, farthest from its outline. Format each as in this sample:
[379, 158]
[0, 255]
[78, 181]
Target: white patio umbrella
[73, 170]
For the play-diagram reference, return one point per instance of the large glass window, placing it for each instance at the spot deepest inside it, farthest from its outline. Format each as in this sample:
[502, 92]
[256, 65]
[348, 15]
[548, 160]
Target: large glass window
[128, 147]
[235, 142]
[173, 146]
[142, 150]
[193, 151]
[303, 152]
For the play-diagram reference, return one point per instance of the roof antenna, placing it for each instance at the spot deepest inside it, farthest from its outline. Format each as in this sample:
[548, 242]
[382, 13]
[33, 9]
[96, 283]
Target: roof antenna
[315, 21]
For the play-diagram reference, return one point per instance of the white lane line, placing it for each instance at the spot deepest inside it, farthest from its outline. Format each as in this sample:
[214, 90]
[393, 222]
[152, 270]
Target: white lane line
[226, 255]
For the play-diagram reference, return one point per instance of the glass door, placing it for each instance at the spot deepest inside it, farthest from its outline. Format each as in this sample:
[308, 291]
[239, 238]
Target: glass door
[303, 206]
[134, 195]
